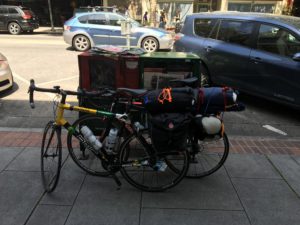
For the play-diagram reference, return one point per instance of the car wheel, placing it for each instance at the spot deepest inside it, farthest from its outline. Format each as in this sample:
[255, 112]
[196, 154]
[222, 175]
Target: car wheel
[81, 43]
[205, 79]
[150, 44]
[14, 28]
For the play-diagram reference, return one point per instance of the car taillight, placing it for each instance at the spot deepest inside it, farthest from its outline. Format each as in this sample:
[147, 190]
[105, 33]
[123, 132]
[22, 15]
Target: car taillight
[178, 36]
[67, 27]
[27, 16]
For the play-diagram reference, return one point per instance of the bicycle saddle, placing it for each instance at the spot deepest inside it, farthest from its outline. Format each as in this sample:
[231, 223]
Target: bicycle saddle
[132, 92]
[190, 82]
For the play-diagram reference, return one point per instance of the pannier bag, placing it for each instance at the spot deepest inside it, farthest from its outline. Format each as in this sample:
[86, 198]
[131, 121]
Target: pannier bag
[216, 99]
[169, 100]
[168, 131]
[207, 126]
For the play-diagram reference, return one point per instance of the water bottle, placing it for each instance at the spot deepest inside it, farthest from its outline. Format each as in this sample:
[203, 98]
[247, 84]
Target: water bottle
[90, 137]
[111, 140]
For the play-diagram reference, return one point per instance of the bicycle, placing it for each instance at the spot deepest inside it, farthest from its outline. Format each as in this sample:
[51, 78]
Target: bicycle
[137, 160]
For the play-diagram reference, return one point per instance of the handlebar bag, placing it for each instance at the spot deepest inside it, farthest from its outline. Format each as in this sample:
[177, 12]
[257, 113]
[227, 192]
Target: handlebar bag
[169, 100]
[168, 131]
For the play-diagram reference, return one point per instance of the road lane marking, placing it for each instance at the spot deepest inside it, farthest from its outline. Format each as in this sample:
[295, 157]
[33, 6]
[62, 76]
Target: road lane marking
[20, 78]
[59, 80]
[274, 129]
[28, 83]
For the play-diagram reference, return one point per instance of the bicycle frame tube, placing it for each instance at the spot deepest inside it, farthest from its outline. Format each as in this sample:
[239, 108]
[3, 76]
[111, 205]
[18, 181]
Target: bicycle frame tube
[60, 120]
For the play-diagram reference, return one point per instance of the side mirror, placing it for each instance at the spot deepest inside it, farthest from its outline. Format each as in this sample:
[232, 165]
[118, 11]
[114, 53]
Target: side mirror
[296, 57]
[119, 22]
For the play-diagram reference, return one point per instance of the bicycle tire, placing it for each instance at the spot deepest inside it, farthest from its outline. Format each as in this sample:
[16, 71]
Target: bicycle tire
[134, 158]
[209, 157]
[51, 156]
[83, 157]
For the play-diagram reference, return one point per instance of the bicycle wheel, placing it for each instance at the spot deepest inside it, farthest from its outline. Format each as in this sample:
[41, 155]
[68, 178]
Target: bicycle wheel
[208, 156]
[84, 157]
[137, 169]
[51, 154]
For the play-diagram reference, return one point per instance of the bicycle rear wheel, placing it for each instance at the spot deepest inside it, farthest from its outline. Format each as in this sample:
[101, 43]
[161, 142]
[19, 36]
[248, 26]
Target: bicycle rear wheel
[137, 169]
[51, 154]
[208, 156]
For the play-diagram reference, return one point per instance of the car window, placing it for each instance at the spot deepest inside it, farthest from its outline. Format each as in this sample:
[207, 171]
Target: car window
[236, 32]
[98, 19]
[3, 10]
[83, 19]
[277, 40]
[115, 19]
[12, 11]
[203, 27]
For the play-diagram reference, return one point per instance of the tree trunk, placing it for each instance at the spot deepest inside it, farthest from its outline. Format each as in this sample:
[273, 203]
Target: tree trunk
[153, 13]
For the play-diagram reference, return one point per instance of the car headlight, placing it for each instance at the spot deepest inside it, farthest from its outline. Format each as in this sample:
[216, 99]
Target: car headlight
[3, 65]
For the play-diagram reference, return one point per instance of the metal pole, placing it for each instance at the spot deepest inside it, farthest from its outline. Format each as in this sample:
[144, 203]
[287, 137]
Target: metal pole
[51, 17]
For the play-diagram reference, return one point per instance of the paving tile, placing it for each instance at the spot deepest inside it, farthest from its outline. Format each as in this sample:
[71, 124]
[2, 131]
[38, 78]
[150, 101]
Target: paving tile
[289, 169]
[29, 160]
[100, 203]
[212, 192]
[19, 193]
[7, 155]
[69, 184]
[250, 166]
[192, 217]
[54, 215]
[268, 201]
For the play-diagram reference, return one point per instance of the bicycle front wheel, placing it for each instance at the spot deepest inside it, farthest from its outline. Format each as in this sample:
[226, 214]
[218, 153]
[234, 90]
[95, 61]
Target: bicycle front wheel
[208, 156]
[82, 156]
[51, 154]
[136, 167]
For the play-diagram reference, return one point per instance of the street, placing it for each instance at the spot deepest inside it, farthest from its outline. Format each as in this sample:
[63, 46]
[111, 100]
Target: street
[48, 60]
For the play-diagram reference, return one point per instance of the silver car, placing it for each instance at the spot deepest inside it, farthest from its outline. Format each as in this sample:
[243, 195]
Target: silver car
[6, 78]
[86, 30]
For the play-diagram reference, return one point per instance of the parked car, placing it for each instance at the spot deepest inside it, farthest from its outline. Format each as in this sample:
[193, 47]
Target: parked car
[86, 30]
[6, 77]
[16, 19]
[253, 52]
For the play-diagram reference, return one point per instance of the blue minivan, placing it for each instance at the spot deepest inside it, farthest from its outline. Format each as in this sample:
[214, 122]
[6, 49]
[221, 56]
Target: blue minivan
[253, 52]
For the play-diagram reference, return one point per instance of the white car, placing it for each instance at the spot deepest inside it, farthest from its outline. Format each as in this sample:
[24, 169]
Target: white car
[6, 77]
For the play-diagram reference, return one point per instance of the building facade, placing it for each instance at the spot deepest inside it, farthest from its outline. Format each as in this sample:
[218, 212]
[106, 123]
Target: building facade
[173, 9]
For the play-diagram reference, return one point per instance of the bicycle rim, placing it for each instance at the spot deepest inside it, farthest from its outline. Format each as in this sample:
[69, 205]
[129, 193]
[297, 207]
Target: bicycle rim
[209, 157]
[138, 171]
[51, 154]
[82, 156]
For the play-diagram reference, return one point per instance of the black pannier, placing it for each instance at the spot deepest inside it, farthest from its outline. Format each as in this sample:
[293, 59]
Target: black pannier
[169, 131]
[169, 100]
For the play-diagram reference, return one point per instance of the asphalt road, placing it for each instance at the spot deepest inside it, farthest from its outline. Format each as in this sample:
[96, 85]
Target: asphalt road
[50, 61]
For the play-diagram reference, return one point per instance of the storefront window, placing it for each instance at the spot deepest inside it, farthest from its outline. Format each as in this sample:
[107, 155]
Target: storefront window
[241, 7]
[263, 8]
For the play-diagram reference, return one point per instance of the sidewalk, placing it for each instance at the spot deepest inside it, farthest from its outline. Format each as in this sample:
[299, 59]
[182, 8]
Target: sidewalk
[259, 184]
[48, 30]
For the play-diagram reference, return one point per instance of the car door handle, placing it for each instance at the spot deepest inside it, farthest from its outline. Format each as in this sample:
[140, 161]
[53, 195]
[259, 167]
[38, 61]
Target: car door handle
[256, 59]
[208, 48]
